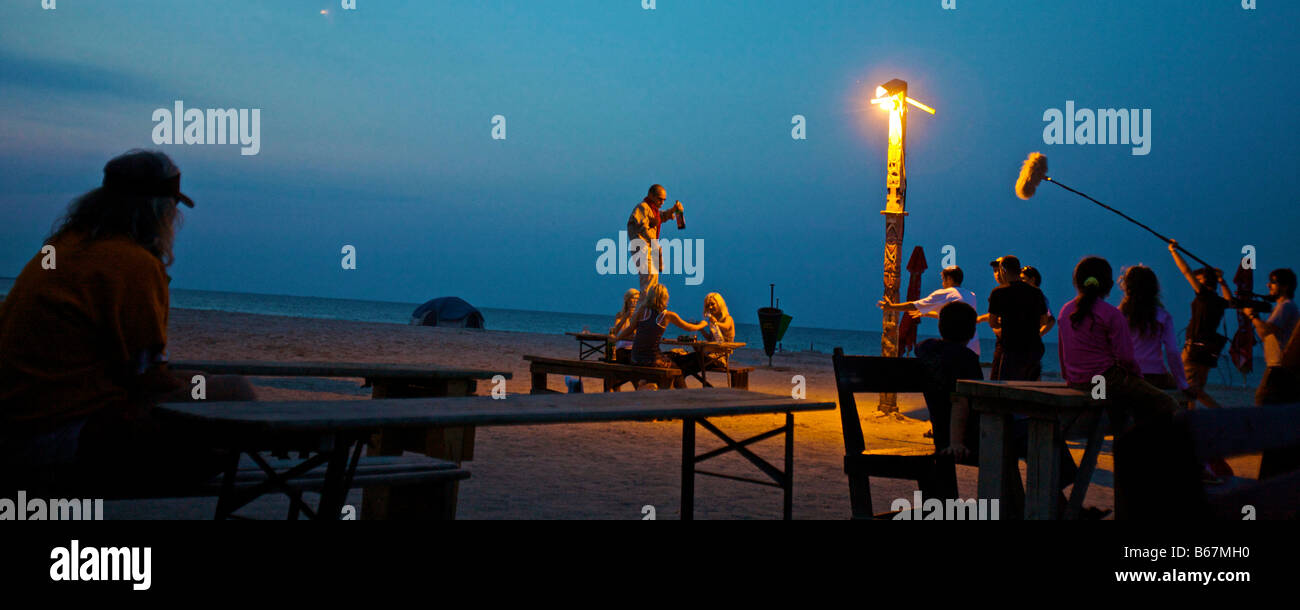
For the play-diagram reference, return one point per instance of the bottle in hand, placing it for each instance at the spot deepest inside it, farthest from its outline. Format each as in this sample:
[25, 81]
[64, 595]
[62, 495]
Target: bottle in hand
[681, 216]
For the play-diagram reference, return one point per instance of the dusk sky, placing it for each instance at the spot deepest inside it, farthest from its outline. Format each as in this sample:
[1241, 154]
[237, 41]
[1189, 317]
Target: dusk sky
[376, 132]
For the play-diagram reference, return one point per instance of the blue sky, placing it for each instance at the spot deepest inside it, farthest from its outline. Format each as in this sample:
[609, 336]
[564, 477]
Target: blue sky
[376, 132]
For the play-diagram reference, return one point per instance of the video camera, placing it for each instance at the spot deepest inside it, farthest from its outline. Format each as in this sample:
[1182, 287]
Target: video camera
[1248, 300]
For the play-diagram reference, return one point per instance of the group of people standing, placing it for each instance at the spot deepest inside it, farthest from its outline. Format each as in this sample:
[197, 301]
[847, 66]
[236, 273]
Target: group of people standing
[1132, 347]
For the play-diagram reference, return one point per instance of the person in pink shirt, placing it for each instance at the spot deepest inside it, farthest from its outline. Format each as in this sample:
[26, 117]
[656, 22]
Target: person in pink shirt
[1097, 348]
[1159, 356]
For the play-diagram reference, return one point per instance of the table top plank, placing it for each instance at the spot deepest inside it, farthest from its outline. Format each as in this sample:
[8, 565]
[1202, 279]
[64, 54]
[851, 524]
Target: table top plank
[516, 409]
[589, 336]
[1047, 393]
[1031, 398]
[335, 369]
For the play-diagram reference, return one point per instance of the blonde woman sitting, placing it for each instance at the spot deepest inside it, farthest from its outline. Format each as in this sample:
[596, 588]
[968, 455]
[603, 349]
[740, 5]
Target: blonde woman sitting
[722, 327]
[651, 319]
[623, 322]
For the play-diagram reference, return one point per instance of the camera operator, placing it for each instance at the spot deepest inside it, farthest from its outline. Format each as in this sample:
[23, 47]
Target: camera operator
[1275, 330]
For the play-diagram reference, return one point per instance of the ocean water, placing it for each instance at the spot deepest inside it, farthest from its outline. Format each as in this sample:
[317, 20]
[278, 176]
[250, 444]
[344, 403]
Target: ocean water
[797, 338]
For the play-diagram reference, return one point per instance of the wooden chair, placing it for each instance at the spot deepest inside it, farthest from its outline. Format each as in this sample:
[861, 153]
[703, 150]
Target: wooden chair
[935, 475]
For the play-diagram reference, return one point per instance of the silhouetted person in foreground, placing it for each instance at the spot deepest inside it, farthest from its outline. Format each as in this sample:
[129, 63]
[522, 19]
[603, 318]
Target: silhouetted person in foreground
[83, 338]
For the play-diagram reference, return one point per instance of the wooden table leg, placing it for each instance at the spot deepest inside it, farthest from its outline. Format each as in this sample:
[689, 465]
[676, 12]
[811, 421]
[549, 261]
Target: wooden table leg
[788, 484]
[704, 363]
[455, 444]
[334, 491]
[1042, 484]
[688, 470]
[998, 463]
[228, 486]
[1086, 467]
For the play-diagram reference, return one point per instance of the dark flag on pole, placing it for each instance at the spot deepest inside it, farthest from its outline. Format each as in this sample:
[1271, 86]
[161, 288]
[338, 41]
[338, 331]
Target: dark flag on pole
[1243, 343]
[916, 265]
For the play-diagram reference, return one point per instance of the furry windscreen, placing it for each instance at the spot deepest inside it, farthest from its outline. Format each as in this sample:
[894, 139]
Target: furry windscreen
[1031, 173]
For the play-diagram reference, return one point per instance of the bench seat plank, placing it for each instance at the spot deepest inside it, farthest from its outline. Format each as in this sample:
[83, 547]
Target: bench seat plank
[334, 369]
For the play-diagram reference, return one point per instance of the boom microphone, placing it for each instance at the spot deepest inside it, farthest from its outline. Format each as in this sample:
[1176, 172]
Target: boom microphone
[1034, 170]
[1031, 173]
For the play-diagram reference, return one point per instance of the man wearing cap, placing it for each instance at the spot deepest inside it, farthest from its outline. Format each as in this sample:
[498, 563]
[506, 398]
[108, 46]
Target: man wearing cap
[1017, 313]
[83, 337]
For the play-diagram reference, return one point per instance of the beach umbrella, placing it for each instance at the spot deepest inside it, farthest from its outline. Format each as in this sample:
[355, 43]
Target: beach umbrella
[916, 265]
[1243, 343]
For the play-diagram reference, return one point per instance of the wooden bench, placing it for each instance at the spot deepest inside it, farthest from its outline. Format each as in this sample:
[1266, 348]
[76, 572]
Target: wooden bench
[613, 375]
[434, 477]
[738, 377]
[257, 475]
[1158, 471]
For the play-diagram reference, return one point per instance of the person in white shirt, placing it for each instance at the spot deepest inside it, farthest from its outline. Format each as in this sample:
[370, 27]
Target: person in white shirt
[1275, 330]
[929, 306]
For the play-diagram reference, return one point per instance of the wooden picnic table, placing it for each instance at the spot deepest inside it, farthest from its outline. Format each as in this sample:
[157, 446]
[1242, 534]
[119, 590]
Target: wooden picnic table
[714, 355]
[387, 380]
[341, 423]
[590, 344]
[1052, 409]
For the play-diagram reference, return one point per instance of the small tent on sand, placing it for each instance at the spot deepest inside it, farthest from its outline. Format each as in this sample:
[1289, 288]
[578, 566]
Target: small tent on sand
[452, 312]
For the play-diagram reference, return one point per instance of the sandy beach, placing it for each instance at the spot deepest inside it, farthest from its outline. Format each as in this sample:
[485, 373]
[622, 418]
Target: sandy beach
[586, 471]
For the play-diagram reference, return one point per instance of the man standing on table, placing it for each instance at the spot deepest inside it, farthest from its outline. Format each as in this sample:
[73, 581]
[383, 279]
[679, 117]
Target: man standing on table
[1018, 314]
[643, 232]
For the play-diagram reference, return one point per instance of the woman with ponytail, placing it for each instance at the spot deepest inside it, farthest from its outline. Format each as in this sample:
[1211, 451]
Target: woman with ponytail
[1095, 341]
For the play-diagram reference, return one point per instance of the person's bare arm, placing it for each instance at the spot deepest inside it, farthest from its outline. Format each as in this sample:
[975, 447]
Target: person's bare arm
[1182, 266]
[982, 319]
[1262, 326]
[728, 327]
[683, 324]
[904, 306]
[1223, 286]
[627, 334]
[1045, 324]
[671, 212]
